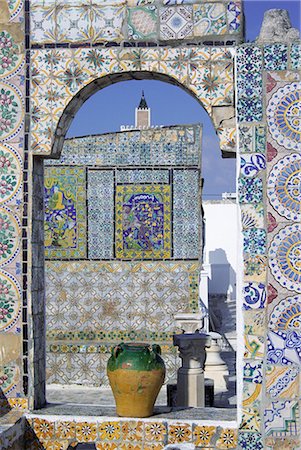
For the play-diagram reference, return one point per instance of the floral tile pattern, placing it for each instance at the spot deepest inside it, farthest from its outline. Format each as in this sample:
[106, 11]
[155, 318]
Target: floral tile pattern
[282, 186]
[284, 259]
[275, 57]
[281, 418]
[209, 19]
[254, 296]
[284, 348]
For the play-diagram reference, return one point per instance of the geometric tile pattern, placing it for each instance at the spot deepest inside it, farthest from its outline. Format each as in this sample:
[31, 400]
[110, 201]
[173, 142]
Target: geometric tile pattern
[186, 210]
[283, 187]
[83, 22]
[59, 74]
[166, 146]
[100, 197]
[93, 305]
[12, 225]
[65, 212]
[125, 434]
[279, 133]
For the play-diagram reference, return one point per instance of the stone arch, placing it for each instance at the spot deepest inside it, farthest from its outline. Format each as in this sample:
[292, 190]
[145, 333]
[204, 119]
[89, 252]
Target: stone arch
[62, 79]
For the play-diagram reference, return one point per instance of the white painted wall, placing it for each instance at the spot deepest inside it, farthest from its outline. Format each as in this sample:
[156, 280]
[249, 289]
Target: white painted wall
[220, 252]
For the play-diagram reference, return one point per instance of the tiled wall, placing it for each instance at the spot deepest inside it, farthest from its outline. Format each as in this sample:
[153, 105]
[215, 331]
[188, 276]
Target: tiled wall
[62, 78]
[269, 195]
[13, 220]
[102, 279]
[85, 21]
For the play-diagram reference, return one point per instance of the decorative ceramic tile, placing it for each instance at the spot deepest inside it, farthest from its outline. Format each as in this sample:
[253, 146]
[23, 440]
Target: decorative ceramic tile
[179, 433]
[252, 216]
[43, 24]
[283, 187]
[281, 418]
[10, 174]
[12, 111]
[250, 85]
[65, 430]
[296, 56]
[10, 380]
[142, 176]
[280, 113]
[73, 23]
[209, 18]
[254, 242]
[289, 443]
[254, 322]
[142, 22]
[107, 22]
[176, 22]
[254, 347]
[251, 164]
[275, 57]
[155, 431]
[10, 301]
[109, 430]
[86, 431]
[250, 441]
[249, 59]
[284, 257]
[12, 62]
[234, 16]
[251, 420]
[132, 431]
[249, 109]
[100, 214]
[254, 296]
[65, 212]
[227, 439]
[186, 214]
[255, 268]
[221, 86]
[250, 190]
[287, 314]
[9, 236]
[203, 434]
[44, 429]
[284, 347]
[251, 139]
[282, 382]
[143, 221]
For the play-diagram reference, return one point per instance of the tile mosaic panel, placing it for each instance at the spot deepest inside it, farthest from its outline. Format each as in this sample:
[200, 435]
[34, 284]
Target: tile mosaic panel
[254, 296]
[100, 214]
[286, 315]
[65, 212]
[281, 113]
[252, 164]
[284, 257]
[164, 146]
[186, 214]
[67, 76]
[143, 221]
[142, 176]
[296, 55]
[80, 22]
[284, 347]
[283, 187]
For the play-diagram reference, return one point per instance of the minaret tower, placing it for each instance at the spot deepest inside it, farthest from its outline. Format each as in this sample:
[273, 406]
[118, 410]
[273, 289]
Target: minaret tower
[142, 114]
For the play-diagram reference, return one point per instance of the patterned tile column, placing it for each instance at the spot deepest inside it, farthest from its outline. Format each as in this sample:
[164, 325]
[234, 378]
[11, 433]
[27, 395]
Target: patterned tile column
[269, 196]
[13, 268]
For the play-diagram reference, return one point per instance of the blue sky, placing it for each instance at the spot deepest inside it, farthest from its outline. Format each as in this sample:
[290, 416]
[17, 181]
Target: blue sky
[115, 105]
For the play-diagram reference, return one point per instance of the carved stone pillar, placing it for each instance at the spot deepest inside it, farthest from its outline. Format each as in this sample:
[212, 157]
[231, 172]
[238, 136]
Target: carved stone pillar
[190, 382]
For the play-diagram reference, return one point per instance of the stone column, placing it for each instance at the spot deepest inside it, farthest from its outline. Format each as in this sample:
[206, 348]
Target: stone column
[190, 382]
[215, 367]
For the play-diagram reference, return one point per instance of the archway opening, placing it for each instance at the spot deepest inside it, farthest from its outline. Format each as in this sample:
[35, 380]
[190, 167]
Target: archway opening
[71, 338]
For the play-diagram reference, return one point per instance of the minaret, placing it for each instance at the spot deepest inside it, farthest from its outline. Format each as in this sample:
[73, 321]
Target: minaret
[142, 114]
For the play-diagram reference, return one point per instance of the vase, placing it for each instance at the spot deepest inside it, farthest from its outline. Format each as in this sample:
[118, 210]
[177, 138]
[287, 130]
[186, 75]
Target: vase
[136, 374]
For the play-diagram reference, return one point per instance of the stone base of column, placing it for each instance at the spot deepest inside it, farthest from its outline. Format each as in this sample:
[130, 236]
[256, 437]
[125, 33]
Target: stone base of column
[190, 391]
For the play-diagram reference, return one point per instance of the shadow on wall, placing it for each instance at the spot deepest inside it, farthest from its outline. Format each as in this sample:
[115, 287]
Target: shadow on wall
[222, 293]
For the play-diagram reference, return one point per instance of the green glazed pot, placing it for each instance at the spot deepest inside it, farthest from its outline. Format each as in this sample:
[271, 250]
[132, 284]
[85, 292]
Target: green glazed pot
[136, 373]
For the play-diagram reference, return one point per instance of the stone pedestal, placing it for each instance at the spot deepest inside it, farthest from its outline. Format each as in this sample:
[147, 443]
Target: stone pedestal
[190, 382]
[215, 367]
[189, 322]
